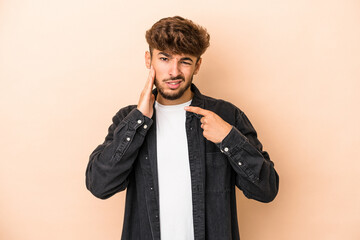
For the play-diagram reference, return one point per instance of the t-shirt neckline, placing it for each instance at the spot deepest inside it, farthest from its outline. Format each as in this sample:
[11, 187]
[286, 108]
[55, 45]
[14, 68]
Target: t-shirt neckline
[176, 106]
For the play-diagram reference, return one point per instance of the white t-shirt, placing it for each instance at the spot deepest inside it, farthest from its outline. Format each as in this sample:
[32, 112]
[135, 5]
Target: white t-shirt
[175, 197]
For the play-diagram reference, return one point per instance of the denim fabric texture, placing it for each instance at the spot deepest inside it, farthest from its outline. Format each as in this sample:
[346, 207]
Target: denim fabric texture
[127, 160]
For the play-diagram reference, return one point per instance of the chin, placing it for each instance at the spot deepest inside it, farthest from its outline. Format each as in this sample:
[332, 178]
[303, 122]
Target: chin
[173, 95]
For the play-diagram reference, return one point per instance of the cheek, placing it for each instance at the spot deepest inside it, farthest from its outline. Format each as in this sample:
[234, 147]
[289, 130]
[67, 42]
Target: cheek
[157, 82]
[188, 74]
[160, 72]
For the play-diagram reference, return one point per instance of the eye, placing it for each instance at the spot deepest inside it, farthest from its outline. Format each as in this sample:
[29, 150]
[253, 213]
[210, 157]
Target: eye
[186, 63]
[164, 59]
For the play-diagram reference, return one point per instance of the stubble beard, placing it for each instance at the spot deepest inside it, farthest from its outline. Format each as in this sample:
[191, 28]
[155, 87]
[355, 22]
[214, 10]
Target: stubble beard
[173, 94]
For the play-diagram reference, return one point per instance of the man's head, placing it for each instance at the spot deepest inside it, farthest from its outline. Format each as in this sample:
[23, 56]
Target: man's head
[178, 36]
[176, 45]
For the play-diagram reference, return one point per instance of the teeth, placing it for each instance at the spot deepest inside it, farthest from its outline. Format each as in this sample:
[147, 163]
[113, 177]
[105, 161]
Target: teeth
[173, 83]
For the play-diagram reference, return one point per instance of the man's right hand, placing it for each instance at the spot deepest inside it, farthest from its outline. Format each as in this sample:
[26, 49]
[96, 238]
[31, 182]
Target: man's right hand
[147, 98]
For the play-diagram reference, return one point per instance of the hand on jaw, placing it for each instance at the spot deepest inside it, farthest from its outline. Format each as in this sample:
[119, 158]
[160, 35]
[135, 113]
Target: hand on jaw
[147, 98]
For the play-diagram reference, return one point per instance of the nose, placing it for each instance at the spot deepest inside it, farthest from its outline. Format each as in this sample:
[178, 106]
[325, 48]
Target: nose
[174, 69]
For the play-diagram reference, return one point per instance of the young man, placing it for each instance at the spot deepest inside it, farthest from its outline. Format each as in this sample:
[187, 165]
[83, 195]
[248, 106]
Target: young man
[179, 153]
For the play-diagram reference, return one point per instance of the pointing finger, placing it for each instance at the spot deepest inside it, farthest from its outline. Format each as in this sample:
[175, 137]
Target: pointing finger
[197, 110]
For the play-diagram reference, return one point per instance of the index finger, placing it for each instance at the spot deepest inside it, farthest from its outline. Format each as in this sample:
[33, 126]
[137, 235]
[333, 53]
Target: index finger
[197, 110]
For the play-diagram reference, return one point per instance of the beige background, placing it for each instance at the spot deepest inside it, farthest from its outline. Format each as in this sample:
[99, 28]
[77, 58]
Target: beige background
[67, 66]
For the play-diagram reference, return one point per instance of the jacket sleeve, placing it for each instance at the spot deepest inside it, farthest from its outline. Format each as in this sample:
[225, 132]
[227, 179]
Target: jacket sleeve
[111, 162]
[255, 173]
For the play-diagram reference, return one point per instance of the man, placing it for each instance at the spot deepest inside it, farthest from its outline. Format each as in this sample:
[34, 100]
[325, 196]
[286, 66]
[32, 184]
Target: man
[179, 153]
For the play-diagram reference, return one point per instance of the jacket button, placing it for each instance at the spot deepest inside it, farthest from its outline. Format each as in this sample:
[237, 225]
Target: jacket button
[128, 139]
[226, 149]
[145, 126]
[139, 121]
[239, 163]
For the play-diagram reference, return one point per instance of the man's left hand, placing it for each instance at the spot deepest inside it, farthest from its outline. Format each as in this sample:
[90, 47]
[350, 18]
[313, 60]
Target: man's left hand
[215, 128]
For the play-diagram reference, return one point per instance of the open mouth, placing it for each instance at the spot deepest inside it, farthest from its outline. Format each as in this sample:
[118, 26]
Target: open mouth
[174, 84]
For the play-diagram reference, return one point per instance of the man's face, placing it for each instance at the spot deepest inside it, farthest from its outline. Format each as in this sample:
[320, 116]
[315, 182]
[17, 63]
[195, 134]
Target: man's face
[173, 74]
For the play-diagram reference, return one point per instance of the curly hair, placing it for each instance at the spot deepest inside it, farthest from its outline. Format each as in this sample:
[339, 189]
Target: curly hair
[179, 36]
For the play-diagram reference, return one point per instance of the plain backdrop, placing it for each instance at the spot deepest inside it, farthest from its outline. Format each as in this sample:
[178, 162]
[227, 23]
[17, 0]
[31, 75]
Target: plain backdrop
[66, 67]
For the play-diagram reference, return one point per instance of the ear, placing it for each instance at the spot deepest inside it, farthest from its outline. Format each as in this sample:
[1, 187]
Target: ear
[147, 59]
[197, 67]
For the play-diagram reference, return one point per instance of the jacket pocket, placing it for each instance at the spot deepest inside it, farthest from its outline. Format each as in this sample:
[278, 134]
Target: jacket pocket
[218, 173]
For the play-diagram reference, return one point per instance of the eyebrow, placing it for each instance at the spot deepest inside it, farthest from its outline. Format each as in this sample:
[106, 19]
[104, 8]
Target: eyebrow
[170, 56]
[187, 58]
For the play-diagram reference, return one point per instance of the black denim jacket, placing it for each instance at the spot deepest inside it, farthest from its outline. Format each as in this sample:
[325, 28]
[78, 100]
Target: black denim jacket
[127, 160]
